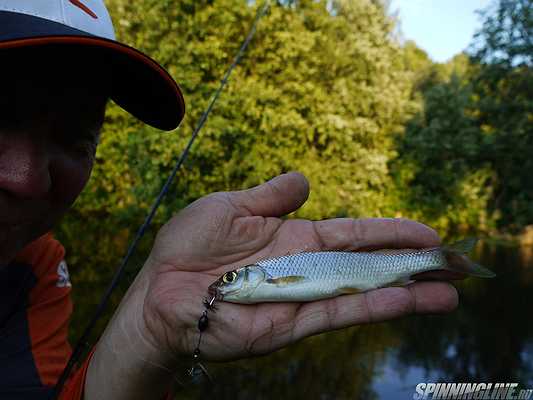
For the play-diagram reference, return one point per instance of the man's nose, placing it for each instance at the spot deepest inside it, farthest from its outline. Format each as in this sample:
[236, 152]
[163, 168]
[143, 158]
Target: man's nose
[24, 166]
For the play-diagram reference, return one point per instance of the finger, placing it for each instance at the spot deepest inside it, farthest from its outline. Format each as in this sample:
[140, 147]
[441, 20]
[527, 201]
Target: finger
[374, 233]
[279, 196]
[374, 306]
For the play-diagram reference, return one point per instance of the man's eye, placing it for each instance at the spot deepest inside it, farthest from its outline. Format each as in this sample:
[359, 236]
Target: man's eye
[85, 144]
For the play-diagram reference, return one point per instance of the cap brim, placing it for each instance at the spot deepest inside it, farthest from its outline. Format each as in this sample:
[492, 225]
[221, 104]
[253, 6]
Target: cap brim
[139, 84]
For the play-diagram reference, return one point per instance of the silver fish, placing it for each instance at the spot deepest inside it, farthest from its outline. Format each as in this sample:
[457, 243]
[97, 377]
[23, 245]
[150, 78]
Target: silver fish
[319, 275]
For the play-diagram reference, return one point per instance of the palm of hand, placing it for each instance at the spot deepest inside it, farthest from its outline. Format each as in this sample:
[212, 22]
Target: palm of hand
[224, 231]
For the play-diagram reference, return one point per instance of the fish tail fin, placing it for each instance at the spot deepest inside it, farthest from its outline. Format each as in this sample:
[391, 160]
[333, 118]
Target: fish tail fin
[457, 261]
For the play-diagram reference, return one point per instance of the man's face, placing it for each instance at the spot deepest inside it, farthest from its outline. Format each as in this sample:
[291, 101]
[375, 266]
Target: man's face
[51, 110]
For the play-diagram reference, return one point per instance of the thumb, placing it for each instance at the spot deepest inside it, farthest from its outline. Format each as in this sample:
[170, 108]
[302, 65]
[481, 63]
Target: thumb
[279, 196]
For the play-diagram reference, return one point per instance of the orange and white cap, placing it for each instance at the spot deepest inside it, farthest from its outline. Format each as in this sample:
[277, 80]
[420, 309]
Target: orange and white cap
[140, 85]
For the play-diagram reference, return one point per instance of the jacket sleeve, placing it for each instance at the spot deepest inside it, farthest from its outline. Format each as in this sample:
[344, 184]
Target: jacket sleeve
[48, 313]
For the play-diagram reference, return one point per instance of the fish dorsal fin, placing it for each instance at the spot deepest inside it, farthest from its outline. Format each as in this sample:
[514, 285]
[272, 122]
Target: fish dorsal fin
[285, 280]
[462, 246]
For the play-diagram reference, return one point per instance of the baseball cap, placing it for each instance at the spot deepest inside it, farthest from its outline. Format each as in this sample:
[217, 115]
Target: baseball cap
[139, 84]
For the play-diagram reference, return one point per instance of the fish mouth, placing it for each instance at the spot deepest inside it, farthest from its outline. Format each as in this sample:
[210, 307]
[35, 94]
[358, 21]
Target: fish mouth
[214, 292]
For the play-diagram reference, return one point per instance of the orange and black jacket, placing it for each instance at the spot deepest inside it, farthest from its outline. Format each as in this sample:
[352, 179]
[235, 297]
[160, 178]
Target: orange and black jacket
[35, 308]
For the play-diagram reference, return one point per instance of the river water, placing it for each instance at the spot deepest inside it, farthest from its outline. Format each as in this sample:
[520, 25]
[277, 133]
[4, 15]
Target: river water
[489, 338]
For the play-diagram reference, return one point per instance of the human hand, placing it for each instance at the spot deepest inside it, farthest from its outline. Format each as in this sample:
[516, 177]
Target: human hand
[223, 231]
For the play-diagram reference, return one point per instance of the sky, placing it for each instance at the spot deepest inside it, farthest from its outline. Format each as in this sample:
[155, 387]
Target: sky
[442, 28]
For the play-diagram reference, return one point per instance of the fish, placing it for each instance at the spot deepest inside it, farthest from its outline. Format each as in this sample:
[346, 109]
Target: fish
[310, 276]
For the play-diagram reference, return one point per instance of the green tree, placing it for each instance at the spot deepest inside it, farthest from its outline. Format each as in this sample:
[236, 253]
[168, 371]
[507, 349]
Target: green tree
[440, 178]
[464, 162]
[504, 86]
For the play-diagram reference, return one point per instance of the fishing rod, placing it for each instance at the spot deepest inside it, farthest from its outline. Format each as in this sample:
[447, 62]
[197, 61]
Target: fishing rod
[82, 343]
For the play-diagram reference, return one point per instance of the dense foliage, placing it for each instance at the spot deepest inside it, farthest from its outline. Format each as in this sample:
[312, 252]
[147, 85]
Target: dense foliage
[466, 157]
[328, 90]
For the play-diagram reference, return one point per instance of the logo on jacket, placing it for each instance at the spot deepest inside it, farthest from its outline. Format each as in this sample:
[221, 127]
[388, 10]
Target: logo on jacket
[63, 279]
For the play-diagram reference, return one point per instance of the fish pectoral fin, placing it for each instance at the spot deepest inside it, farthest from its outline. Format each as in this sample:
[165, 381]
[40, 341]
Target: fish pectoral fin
[284, 280]
[349, 290]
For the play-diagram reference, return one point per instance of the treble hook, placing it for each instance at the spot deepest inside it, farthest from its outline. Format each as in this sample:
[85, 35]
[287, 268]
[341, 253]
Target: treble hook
[198, 370]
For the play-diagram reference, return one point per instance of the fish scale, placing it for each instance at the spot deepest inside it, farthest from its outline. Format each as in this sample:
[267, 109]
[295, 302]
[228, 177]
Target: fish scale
[322, 265]
[341, 272]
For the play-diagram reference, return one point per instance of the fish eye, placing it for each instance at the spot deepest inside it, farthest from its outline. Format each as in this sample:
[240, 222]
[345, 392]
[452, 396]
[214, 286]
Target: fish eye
[229, 277]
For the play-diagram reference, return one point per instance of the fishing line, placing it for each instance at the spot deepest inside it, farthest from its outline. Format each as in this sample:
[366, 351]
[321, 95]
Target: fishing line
[82, 343]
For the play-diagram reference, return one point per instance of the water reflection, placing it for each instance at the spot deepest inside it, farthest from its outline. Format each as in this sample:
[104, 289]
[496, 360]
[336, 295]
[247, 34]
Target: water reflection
[489, 338]
[489, 334]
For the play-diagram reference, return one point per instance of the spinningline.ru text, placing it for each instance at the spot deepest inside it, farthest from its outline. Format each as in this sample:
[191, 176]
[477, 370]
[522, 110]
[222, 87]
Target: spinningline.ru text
[475, 391]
